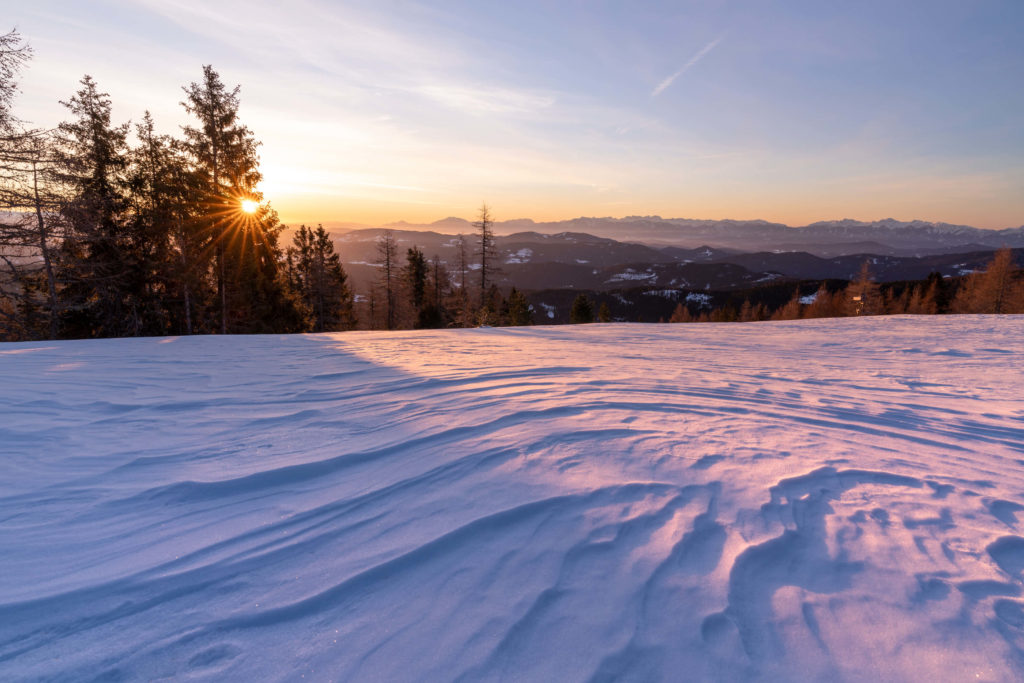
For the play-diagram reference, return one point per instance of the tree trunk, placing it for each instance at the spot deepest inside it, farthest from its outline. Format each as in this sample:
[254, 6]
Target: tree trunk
[44, 248]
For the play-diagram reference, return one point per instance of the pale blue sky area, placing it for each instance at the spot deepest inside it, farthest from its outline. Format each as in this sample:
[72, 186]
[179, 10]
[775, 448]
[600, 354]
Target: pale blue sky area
[372, 111]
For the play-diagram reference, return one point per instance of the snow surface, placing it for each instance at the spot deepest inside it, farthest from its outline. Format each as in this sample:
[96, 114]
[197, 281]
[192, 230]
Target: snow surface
[704, 300]
[815, 500]
[666, 293]
[521, 256]
[630, 274]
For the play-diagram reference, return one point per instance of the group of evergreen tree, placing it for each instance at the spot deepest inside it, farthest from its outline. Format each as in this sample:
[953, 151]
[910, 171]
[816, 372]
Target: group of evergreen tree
[422, 293]
[110, 229]
[997, 289]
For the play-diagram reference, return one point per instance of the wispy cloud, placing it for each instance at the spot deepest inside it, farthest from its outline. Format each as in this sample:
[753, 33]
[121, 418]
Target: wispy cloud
[485, 100]
[686, 67]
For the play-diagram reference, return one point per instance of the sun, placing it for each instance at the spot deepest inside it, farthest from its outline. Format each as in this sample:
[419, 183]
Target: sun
[249, 206]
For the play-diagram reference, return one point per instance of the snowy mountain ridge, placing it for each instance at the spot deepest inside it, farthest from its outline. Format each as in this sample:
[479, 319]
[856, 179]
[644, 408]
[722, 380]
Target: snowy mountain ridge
[754, 235]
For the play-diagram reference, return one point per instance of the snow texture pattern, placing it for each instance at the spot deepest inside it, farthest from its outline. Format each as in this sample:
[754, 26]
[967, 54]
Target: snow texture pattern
[815, 500]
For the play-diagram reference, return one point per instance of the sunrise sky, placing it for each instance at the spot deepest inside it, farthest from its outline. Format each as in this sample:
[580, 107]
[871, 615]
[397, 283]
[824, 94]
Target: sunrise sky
[794, 111]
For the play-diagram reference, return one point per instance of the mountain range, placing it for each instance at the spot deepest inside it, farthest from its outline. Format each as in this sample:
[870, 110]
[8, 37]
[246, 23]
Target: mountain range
[826, 238]
[534, 260]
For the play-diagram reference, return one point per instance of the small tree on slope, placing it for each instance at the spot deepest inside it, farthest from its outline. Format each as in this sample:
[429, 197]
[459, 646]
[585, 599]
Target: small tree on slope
[582, 311]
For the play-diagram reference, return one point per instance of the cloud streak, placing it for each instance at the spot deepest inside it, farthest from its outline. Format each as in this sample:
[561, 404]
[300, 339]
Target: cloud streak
[660, 88]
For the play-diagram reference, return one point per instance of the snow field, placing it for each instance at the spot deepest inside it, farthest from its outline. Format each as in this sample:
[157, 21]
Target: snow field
[816, 500]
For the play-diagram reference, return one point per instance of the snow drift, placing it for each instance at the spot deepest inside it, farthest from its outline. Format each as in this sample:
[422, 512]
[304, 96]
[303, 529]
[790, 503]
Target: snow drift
[831, 499]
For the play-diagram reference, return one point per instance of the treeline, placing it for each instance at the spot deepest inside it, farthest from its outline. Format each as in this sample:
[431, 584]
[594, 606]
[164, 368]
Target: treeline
[416, 292]
[112, 229]
[997, 289]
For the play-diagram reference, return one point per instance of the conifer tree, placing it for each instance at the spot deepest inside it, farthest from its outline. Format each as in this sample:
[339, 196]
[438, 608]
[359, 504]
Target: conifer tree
[460, 302]
[436, 313]
[518, 309]
[414, 274]
[896, 304]
[792, 309]
[163, 198]
[463, 260]
[826, 304]
[582, 310]
[224, 152]
[101, 264]
[487, 250]
[604, 314]
[316, 274]
[259, 298]
[491, 308]
[862, 295]
[941, 292]
[725, 314]
[993, 290]
[387, 259]
[681, 314]
[917, 304]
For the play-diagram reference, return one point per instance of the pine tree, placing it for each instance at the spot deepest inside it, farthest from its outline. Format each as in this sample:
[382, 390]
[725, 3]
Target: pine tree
[862, 295]
[604, 314]
[461, 303]
[316, 274]
[491, 308]
[434, 313]
[339, 303]
[387, 259]
[792, 309]
[894, 304]
[990, 291]
[101, 265]
[826, 304]
[681, 314]
[163, 198]
[487, 250]
[414, 274]
[916, 302]
[372, 299]
[518, 309]
[725, 314]
[582, 310]
[224, 151]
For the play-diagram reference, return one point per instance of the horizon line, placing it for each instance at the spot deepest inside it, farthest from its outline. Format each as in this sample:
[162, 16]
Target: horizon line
[653, 217]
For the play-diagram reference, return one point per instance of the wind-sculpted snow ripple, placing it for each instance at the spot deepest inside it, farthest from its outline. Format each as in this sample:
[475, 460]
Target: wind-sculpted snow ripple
[829, 500]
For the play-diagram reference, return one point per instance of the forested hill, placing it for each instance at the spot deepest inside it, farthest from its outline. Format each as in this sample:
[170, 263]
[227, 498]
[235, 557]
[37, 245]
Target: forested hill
[825, 238]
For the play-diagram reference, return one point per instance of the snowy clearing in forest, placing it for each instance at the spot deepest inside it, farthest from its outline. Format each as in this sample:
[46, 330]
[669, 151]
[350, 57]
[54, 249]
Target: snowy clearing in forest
[828, 500]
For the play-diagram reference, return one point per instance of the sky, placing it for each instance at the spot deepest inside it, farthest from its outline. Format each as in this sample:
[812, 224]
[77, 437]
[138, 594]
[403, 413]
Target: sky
[372, 112]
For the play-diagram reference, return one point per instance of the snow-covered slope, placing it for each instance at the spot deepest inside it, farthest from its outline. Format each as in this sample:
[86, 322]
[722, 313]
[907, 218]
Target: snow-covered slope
[819, 500]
